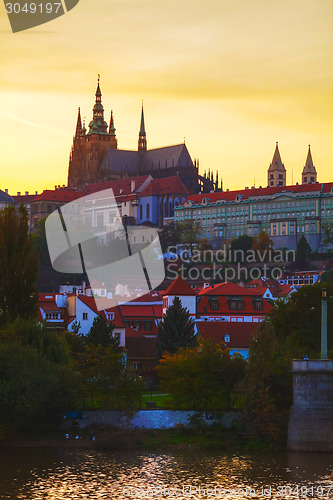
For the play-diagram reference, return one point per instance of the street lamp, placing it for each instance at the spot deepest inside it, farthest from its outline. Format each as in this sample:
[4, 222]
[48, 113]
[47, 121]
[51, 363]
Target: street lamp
[324, 324]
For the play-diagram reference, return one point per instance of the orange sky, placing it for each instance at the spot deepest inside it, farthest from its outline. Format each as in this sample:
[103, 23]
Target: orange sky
[232, 77]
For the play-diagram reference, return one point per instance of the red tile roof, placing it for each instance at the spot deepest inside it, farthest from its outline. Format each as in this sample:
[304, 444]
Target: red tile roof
[262, 192]
[179, 287]
[229, 288]
[240, 333]
[119, 187]
[204, 307]
[49, 306]
[168, 185]
[63, 195]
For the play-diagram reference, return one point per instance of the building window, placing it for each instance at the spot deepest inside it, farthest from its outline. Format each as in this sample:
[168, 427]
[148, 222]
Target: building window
[236, 304]
[148, 211]
[148, 325]
[110, 316]
[84, 316]
[214, 304]
[258, 304]
[52, 315]
[141, 212]
[136, 325]
[227, 338]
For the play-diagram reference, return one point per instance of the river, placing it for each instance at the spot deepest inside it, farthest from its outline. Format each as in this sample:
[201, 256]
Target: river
[73, 474]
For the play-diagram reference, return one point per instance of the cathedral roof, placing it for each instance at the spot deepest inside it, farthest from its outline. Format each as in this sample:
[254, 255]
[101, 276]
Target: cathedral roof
[276, 161]
[119, 160]
[166, 157]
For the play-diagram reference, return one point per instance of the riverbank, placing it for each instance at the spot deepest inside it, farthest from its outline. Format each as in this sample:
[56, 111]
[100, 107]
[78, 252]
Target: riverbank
[213, 437]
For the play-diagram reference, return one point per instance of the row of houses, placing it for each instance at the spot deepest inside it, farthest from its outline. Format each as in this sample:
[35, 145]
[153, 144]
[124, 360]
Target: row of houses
[226, 312]
[141, 199]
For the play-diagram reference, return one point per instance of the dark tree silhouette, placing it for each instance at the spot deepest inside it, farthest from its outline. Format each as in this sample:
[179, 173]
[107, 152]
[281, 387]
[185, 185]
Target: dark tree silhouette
[176, 330]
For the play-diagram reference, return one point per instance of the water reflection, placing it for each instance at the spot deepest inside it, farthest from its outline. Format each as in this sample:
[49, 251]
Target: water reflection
[35, 474]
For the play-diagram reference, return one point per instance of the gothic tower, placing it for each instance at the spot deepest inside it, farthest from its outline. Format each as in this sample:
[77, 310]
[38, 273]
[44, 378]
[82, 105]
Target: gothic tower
[309, 174]
[276, 174]
[89, 148]
[142, 144]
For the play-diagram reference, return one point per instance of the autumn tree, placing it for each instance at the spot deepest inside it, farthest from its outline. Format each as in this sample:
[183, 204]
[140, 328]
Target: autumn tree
[18, 266]
[202, 377]
[176, 329]
[262, 244]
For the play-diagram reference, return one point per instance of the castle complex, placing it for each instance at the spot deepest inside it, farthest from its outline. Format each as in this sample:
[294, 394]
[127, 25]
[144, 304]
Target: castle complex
[95, 156]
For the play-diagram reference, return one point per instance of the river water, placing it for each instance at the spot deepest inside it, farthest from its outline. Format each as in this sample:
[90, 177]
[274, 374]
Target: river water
[70, 474]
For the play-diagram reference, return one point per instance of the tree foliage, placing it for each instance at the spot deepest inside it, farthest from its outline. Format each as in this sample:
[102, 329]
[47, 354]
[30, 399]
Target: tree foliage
[105, 383]
[292, 331]
[101, 333]
[303, 252]
[18, 266]
[176, 329]
[262, 244]
[202, 377]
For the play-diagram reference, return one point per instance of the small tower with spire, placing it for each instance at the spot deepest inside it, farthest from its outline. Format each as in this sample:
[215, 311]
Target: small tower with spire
[276, 174]
[309, 174]
[142, 143]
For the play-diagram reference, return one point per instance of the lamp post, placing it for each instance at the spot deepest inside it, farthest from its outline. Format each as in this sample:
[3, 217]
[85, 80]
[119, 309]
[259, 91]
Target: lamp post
[324, 324]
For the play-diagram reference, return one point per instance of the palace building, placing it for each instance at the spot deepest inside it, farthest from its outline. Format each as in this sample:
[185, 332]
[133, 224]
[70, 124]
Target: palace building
[284, 212]
[95, 156]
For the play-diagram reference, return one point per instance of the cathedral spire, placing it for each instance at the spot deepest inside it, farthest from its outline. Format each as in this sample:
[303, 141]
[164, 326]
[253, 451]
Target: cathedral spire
[112, 128]
[276, 174]
[98, 125]
[142, 144]
[309, 174]
[78, 125]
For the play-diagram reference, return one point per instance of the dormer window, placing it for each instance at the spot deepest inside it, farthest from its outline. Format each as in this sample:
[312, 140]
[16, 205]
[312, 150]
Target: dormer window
[227, 339]
[205, 201]
[110, 316]
[235, 304]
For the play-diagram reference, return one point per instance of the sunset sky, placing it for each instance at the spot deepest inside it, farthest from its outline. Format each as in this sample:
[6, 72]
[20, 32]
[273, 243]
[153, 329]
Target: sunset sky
[232, 77]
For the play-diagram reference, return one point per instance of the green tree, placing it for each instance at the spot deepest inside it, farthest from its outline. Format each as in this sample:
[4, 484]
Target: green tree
[190, 233]
[243, 243]
[328, 233]
[176, 329]
[101, 333]
[170, 236]
[202, 377]
[303, 252]
[18, 266]
[292, 331]
[33, 390]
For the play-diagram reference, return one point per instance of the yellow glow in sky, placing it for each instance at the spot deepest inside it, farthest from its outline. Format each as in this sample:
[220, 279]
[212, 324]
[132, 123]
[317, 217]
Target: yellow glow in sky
[231, 77]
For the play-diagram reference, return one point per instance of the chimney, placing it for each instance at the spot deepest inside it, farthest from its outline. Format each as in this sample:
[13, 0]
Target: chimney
[36, 192]
[247, 187]
[132, 186]
[6, 191]
[26, 193]
[55, 187]
[18, 193]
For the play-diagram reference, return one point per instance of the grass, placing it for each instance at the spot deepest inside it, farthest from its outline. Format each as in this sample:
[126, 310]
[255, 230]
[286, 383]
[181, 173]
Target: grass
[161, 400]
